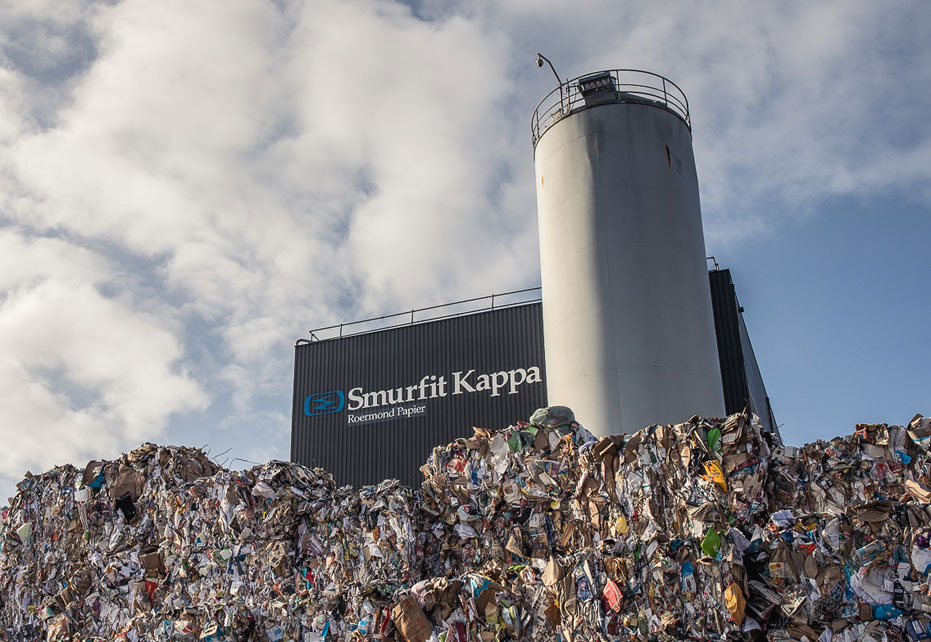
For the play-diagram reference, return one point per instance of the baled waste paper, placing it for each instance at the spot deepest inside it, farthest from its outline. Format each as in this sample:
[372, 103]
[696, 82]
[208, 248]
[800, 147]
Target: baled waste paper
[705, 530]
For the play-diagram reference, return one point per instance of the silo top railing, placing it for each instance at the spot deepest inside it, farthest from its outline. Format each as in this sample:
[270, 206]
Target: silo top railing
[630, 85]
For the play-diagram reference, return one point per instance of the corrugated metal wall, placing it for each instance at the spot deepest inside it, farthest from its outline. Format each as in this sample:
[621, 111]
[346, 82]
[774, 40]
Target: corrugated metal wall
[759, 399]
[727, 332]
[740, 374]
[486, 342]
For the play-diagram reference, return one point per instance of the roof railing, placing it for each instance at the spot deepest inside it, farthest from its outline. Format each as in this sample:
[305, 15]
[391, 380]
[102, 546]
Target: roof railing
[409, 317]
[630, 86]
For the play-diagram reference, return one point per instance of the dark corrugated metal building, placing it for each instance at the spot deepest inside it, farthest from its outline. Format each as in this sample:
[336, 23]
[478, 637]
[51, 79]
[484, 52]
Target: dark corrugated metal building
[372, 406]
[740, 373]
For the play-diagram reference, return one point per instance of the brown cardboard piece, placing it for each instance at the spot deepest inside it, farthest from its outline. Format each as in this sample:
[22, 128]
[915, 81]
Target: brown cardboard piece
[152, 563]
[127, 481]
[411, 621]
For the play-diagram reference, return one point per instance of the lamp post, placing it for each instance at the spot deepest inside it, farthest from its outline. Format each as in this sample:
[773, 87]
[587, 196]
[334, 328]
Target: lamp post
[540, 59]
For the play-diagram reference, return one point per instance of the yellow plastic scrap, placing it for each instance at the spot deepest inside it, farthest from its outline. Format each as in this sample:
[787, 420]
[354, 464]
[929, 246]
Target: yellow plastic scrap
[736, 603]
[713, 469]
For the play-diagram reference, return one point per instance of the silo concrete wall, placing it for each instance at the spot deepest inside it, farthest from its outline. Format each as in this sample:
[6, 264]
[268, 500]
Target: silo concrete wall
[627, 316]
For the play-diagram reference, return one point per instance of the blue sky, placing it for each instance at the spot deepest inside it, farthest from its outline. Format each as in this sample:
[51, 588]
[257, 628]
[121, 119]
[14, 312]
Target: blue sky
[185, 189]
[837, 306]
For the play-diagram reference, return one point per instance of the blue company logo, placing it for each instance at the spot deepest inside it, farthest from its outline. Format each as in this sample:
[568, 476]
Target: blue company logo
[324, 403]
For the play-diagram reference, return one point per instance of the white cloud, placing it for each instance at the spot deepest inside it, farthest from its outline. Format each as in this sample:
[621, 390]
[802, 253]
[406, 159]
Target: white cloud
[25, 262]
[80, 373]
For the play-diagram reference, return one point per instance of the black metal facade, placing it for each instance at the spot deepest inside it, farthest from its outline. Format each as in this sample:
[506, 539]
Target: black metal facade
[740, 373]
[390, 432]
[372, 406]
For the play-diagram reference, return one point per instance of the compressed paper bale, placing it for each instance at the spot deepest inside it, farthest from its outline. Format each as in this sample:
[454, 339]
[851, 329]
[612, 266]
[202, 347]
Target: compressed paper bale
[628, 537]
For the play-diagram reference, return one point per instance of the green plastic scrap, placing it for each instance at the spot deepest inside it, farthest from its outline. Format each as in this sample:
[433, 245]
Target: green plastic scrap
[712, 543]
[713, 439]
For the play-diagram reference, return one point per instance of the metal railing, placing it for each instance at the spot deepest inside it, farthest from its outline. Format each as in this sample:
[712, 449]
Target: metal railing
[410, 316]
[630, 85]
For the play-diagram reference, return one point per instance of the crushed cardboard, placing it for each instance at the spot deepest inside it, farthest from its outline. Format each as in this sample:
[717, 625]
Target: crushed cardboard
[705, 530]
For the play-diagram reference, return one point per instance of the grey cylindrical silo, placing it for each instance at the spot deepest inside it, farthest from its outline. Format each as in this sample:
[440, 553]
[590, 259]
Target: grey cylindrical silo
[628, 325]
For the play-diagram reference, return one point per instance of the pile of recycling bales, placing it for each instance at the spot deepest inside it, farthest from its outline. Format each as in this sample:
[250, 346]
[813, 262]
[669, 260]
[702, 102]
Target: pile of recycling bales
[705, 530]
